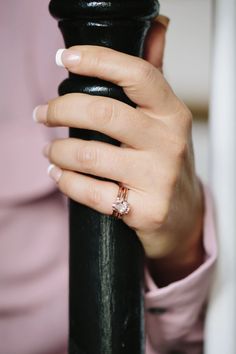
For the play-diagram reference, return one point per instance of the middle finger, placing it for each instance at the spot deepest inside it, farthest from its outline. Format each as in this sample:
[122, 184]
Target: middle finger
[106, 115]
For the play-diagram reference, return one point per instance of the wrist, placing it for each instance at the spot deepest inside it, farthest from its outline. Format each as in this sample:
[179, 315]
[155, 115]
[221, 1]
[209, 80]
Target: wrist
[167, 270]
[184, 258]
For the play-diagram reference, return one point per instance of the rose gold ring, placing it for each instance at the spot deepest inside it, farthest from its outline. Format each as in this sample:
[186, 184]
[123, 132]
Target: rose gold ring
[121, 207]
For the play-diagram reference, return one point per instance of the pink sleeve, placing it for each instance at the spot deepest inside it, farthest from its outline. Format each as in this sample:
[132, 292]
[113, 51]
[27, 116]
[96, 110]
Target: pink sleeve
[175, 313]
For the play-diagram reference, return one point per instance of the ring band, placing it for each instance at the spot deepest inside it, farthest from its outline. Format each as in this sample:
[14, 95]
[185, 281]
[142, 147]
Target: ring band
[121, 206]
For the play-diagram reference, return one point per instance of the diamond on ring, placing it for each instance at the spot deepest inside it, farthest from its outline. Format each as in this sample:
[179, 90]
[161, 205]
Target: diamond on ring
[121, 206]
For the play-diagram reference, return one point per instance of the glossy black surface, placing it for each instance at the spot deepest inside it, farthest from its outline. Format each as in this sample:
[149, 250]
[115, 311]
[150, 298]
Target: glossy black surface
[106, 258]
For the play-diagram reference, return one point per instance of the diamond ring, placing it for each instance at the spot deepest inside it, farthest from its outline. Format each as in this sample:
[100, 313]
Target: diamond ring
[121, 207]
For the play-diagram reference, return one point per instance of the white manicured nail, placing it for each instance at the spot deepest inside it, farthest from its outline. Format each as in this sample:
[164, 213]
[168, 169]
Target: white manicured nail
[40, 114]
[59, 57]
[34, 116]
[67, 57]
[54, 172]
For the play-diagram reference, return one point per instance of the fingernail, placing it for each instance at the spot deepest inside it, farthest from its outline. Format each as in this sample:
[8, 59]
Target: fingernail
[54, 172]
[40, 114]
[65, 57]
[58, 57]
[46, 150]
[163, 20]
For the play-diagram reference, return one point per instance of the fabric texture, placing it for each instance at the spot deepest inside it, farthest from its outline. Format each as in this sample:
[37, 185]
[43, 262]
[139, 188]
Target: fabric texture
[33, 214]
[181, 325]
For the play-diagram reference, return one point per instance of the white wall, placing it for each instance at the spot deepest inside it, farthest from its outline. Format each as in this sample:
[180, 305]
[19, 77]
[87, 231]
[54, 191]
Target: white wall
[187, 58]
[221, 321]
[187, 64]
[189, 67]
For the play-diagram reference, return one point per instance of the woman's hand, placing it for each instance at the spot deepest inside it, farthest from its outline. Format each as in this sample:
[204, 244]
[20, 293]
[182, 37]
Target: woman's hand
[155, 159]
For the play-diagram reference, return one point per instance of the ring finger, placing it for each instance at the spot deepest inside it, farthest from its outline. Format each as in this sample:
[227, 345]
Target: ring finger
[96, 194]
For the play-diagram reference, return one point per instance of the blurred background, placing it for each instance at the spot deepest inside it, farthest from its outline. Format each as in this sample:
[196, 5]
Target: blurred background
[187, 65]
[200, 66]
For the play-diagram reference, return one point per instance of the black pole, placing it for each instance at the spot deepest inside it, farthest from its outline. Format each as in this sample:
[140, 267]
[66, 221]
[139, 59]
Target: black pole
[106, 258]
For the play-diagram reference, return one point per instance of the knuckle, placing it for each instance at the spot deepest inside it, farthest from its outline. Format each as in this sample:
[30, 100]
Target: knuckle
[101, 112]
[87, 156]
[177, 146]
[55, 109]
[169, 189]
[163, 214]
[184, 118]
[52, 111]
[93, 195]
[160, 214]
[97, 60]
[187, 118]
[181, 149]
[144, 70]
[172, 182]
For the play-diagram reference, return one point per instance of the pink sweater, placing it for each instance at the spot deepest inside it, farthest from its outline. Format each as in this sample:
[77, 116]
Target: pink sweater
[33, 214]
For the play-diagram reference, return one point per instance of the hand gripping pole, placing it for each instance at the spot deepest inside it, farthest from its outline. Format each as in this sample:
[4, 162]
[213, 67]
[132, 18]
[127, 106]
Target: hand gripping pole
[106, 257]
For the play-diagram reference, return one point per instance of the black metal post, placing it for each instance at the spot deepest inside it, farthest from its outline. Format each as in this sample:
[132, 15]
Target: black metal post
[106, 258]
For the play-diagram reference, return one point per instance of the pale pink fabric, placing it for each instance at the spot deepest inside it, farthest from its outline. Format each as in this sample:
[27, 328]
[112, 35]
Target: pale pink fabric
[33, 214]
[181, 327]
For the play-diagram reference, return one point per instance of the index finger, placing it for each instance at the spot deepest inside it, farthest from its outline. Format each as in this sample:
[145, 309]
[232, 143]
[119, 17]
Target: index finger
[141, 81]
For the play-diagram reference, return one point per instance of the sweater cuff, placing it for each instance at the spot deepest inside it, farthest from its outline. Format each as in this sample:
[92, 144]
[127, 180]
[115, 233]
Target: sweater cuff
[193, 288]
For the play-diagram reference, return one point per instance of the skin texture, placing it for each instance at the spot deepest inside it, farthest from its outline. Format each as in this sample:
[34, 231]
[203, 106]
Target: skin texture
[155, 159]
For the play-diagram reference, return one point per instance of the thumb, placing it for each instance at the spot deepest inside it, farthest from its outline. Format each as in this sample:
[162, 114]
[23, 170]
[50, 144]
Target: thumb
[155, 41]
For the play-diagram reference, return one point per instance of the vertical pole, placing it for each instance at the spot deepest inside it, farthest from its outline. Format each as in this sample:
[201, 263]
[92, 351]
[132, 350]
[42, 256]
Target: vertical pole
[221, 319]
[106, 258]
